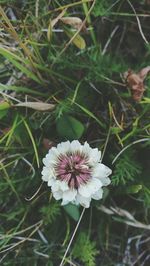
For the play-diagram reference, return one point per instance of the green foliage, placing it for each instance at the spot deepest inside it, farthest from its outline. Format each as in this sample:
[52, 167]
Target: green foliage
[50, 213]
[101, 8]
[69, 127]
[73, 211]
[85, 250]
[127, 169]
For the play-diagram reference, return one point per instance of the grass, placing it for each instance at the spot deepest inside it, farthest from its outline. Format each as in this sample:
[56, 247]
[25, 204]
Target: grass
[80, 72]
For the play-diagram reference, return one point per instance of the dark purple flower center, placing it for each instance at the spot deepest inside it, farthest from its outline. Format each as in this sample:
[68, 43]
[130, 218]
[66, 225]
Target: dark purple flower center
[74, 169]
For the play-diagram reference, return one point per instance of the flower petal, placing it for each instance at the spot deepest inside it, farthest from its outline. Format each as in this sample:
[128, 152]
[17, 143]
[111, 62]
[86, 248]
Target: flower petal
[63, 147]
[51, 181]
[69, 195]
[45, 171]
[55, 186]
[63, 185]
[45, 178]
[98, 194]
[94, 185]
[91, 187]
[94, 156]
[57, 195]
[101, 170]
[51, 157]
[105, 181]
[64, 202]
[86, 148]
[76, 146]
[59, 185]
[84, 201]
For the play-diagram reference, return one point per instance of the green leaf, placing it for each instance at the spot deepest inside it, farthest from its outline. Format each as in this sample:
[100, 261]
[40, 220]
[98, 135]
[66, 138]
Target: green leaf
[4, 106]
[69, 127]
[78, 41]
[145, 100]
[73, 211]
[115, 130]
[133, 189]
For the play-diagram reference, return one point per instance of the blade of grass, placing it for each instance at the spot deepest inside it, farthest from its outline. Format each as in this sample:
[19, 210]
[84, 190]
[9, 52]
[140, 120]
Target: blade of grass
[89, 113]
[11, 132]
[12, 58]
[9, 181]
[85, 7]
[14, 34]
[21, 89]
[68, 6]
[7, 134]
[33, 142]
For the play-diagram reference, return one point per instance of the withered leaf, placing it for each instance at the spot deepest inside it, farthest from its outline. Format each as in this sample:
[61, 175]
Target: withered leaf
[75, 22]
[55, 20]
[39, 106]
[47, 144]
[144, 72]
[135, 81]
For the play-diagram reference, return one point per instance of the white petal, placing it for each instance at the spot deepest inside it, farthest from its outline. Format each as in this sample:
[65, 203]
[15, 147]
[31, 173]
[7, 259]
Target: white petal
[63, 185]
[55, 186]
[98, 195]
[64, 147]
[86, 148]
[94, 156]
[64, 202]
[52, 156]
[47, 173]
[85, 202]
[45, 178]
[69, 195]
[105, 181]
[101, 170]
[59, 185]
[57, 195]
[91, 187]
[85, 191]
[76, 146]
[94, 185]
[51, 181]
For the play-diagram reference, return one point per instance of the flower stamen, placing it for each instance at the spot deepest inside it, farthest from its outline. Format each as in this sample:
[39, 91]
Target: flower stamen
[74, 169]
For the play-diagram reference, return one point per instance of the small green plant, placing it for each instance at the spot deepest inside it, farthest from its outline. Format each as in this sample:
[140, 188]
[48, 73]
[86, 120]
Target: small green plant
[127, 169]
[85, 250]
[50, 213]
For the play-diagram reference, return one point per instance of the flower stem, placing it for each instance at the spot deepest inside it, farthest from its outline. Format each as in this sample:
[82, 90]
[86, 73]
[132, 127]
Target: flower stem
[73, 235]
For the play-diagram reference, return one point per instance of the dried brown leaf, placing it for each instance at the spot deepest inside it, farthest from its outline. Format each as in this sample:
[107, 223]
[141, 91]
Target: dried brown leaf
[129, 218]
[55, 20]
[75, 22]
[135, 81]
[144, 72]
[47, 144]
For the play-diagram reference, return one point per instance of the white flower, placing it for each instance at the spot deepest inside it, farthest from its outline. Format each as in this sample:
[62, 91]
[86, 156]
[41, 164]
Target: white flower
[75, 173]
